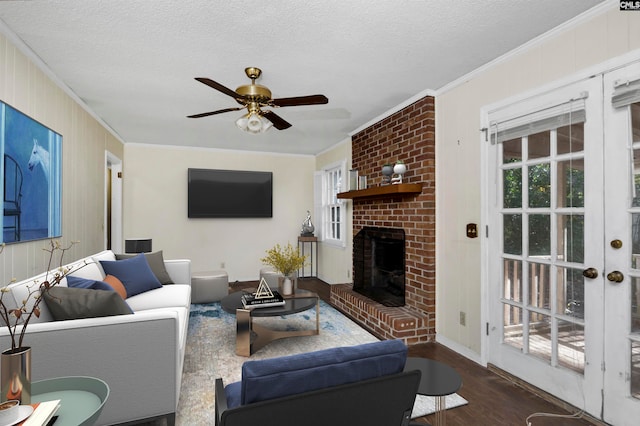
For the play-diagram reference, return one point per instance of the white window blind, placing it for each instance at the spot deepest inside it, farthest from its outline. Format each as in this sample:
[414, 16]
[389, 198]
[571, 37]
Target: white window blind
[560, 115]
[626, 93]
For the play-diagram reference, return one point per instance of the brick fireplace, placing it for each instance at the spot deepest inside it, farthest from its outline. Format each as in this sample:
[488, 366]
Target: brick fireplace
[407, 135]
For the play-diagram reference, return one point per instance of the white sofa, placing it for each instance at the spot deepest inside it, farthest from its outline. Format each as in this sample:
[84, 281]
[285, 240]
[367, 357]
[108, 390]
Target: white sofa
[140, 356]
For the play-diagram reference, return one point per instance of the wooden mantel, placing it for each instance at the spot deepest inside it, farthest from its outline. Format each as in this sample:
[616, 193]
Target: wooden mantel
[383, 191]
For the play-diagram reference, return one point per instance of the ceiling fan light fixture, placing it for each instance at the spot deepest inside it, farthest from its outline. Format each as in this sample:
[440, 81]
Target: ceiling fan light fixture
[253, 123]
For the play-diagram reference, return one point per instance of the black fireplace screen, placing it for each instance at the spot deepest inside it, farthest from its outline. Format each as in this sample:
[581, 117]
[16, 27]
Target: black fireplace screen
[379, 265]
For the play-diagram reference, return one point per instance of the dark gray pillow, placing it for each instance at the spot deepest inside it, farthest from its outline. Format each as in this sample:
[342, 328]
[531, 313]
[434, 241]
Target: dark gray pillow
[66, 303]
[156, 263]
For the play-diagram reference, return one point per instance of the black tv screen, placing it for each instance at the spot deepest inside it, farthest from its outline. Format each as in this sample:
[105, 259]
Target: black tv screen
[229, 193]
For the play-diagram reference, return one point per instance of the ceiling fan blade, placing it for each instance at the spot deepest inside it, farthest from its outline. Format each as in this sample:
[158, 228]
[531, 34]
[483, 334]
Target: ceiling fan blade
[300, 100]
[220, 111]
[219, 87]
[278, 122]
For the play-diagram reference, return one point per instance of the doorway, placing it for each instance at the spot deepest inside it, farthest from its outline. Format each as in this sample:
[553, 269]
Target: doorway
[564, 229]
[113, 203]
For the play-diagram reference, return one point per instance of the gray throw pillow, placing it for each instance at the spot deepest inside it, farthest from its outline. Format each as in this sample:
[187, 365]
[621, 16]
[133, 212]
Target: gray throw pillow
[66, 303]
[156, 263]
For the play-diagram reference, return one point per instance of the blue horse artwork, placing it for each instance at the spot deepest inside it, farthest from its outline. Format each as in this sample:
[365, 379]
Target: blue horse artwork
[39, 156]
[31, 178]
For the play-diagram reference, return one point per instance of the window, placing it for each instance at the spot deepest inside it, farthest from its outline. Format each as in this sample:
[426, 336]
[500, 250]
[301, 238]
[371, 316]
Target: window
[333, 209]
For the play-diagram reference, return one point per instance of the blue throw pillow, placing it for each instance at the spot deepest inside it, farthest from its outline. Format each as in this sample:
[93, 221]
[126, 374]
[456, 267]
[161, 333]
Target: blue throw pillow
[77, 282]
[135, 274]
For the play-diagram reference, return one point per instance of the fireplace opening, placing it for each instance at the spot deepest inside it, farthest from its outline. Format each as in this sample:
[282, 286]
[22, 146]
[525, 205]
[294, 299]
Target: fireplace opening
[379, 265]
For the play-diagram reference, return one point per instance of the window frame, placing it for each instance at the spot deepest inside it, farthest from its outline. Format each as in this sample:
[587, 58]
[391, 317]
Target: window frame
[330, 201]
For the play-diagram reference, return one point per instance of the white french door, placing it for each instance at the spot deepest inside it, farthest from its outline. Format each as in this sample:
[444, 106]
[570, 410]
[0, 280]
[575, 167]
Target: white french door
[564, 242]
[621, 387]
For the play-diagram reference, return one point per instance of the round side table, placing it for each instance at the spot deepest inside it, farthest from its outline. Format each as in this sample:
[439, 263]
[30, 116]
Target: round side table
[438, 380]
[81, 398]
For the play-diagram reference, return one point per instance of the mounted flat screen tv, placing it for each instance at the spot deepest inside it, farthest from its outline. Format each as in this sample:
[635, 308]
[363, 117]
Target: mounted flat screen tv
[229, 194]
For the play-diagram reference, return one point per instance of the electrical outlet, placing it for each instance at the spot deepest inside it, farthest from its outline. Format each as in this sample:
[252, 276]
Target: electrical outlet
[221, 265]
[463, 318]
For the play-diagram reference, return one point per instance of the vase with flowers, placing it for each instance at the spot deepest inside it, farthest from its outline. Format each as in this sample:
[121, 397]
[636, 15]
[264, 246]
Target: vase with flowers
[15, 363]
[287, 261]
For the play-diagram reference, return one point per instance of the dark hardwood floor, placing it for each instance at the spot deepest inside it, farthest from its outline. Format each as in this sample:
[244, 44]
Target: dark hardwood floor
[493, 400]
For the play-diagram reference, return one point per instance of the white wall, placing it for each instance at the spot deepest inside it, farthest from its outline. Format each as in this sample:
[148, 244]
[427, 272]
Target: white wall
[593, 40]
[155, 206]
[25, 85]
[336, 264]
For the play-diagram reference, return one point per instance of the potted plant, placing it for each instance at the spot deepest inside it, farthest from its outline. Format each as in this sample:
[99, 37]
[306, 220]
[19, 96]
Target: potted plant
[285, 260]
[16, 362]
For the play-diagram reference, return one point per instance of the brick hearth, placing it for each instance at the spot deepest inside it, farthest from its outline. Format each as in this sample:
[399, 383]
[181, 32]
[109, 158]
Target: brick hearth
[408, 135]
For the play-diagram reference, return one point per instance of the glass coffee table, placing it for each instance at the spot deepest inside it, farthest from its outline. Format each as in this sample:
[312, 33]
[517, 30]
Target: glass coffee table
[251, 337]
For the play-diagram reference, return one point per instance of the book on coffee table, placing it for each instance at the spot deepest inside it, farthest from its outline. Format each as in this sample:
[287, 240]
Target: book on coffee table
[250, 301]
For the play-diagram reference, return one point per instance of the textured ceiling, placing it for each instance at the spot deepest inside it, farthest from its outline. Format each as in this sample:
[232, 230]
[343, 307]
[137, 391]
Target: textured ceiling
[133, 62]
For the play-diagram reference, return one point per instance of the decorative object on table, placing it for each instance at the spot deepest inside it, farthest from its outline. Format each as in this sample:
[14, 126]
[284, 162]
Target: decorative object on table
[387, 171]
[15, 363]
[353, 180]
[287, 261]
[399, 170]
[264, 297]
[138, 245]
[307, 226]
[362, 182]
[11, 412]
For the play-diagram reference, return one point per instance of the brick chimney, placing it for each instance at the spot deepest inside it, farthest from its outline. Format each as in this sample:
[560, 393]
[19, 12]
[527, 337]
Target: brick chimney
[407, 135]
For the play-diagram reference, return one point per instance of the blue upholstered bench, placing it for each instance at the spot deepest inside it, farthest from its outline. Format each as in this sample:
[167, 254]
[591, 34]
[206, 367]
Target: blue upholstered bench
[337, 382]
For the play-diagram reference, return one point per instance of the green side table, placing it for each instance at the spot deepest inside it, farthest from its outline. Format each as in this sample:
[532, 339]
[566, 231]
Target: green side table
[81, 398]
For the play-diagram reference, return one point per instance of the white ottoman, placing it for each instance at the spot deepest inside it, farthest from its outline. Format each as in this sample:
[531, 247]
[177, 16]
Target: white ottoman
[209, 286]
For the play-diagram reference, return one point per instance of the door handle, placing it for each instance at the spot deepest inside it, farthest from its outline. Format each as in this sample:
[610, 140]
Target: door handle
[590, 273]
[615, 276]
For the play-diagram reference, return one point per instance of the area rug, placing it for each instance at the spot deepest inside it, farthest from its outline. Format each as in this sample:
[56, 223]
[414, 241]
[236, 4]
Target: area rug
[210, 354]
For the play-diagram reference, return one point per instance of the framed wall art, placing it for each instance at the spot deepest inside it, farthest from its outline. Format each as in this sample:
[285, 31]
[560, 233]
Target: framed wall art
[31, 178]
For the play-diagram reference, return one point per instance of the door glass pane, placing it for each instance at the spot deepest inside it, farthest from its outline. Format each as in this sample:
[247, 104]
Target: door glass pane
[540, 335]
[512, 184]
[571, 237]
[512, 237]
[571, 138]
[570, 292]
[512, 280]
[512, 151]
[539, 185]
[571, 183]
[635, 369]
[636, 178]
[539, 235]
[635, 240]
[635, 301]
[512, 328]
[539, 145]
[539, 285]
[571, 345]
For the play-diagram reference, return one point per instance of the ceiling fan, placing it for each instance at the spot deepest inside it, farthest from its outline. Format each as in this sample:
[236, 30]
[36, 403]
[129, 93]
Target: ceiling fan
[254, 97]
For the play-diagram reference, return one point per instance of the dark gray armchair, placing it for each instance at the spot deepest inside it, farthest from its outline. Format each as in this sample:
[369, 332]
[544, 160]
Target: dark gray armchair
[347, 386]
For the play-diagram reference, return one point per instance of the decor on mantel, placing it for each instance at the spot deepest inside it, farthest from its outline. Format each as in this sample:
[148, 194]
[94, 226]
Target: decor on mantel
[287, 261]
[399, 169]
[15, 363]
[307, 226]
[387, 171]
